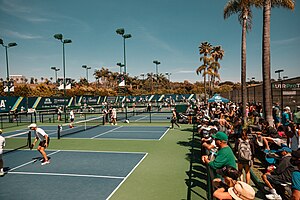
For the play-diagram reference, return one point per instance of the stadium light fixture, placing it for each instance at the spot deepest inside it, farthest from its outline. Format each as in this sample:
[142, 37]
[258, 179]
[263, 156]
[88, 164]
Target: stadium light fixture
[87, 72]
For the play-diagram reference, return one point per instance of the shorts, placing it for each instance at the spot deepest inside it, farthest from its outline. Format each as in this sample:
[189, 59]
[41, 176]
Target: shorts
[43, 143]
[0, 156]
[275, 179]
[72, 119]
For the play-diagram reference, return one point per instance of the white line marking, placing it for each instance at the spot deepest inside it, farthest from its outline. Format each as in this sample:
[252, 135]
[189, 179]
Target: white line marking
[164, 134]
[140, 118]
[73, 175]
[31, 162]
[126, 177]
[136, 131]
[106, 132]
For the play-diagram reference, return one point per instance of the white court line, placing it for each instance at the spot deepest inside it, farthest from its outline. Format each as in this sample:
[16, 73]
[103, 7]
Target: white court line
[106, 132]
[164, 134]
[140, 118]
[126, 177]
[137, 131]
[31, 162]
[72, 175]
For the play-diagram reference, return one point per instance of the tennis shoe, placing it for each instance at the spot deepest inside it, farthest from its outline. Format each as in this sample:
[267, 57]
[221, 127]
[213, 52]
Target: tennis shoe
[1, 173]
[273, 196]
[45, 162]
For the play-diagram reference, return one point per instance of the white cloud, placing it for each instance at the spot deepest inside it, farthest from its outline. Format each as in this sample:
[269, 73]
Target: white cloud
[286, 41]
[22, 35]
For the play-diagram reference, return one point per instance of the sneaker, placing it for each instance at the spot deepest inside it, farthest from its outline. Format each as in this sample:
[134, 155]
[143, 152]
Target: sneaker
[45, 162]
[1, 173]
[273, 196]
[267, 189]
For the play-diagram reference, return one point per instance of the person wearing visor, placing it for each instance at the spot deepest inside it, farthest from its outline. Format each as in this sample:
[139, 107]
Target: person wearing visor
[41, 135]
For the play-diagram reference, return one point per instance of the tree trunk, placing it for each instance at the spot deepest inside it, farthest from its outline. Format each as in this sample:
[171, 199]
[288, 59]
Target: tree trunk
[243, 69]
[266, 62]
[204, 86]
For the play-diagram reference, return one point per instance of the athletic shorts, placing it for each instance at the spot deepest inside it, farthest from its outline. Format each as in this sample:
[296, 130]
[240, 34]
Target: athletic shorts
[43, 143]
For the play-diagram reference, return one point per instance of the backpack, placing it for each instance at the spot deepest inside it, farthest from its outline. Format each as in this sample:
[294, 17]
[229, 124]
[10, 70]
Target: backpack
[244, 151]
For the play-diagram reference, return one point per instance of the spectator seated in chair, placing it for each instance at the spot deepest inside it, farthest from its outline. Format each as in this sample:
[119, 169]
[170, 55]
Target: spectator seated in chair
[278, 174]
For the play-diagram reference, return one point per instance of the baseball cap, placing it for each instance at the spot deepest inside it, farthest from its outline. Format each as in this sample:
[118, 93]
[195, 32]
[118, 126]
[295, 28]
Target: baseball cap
[220, 136]
[1, 131]
[285, 149]
[32, 126]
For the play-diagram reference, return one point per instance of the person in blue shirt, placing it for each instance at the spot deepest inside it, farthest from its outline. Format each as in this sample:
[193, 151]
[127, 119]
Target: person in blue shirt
[285, 120]
[295, 160]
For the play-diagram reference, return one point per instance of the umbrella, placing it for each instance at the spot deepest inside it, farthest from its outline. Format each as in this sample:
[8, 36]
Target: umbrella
[217, 98]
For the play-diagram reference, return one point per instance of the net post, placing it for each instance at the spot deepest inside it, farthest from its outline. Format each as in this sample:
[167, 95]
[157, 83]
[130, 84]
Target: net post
[103, 120]
[58, 132]
[29, 139]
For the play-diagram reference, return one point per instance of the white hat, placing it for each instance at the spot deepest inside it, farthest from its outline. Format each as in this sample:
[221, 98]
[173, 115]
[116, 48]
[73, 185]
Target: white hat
[287, 108]
[242, 191]
[32, 126]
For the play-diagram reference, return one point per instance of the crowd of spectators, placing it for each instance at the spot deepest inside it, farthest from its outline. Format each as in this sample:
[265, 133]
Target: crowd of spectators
[275, 146]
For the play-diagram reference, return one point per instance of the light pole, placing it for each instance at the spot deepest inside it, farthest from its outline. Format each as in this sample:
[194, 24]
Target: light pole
[12, 44]
[253, 80]
[121, 32]
[87, 72]
[120, 65]
[156, 70]
[143, 75]
[169, 79]
[55, 73]
[281, 90]
[65, 41]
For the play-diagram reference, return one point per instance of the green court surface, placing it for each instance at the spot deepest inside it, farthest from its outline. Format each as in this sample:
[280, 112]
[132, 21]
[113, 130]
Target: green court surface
[161, 175]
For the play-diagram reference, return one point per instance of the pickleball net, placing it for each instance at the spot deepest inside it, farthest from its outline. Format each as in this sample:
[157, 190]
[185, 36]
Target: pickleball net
[17, 141]
[79, 126]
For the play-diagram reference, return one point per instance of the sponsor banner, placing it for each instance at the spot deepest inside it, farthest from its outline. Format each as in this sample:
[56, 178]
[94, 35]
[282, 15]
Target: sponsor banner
[89, 100]
[52, 102]
[7, 103]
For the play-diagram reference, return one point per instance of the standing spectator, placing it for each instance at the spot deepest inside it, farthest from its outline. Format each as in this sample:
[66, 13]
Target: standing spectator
[174, 118]
[297, 116]
[2, 145]
[295, 136]
[114, 116]
[59, 112]
[276, 114]
[295, 160]
[281, 173]
[286, 122]
[190, 113]
[245, 152]
[72, 118]
[41, 135]
[224, 156]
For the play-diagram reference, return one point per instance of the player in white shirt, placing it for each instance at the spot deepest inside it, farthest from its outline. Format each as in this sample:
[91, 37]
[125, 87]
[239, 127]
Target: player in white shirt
[72, 118]
[41, 135]
[2, 144]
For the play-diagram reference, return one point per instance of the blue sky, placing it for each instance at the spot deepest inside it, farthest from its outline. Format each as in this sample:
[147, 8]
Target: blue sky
[166, 30]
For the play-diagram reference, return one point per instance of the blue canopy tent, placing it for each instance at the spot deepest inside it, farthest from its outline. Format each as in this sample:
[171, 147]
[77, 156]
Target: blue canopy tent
[218, 99]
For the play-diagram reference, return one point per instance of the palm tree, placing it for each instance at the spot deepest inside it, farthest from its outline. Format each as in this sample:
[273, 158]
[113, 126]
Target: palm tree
[216, 53]
[243, 9]
[205, 49]
[266, 63]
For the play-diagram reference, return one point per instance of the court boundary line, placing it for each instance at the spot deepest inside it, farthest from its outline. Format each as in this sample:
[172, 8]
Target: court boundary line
[164, 134]
[113, 192]
[106, 132]
[32, 161]
[71, 175]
